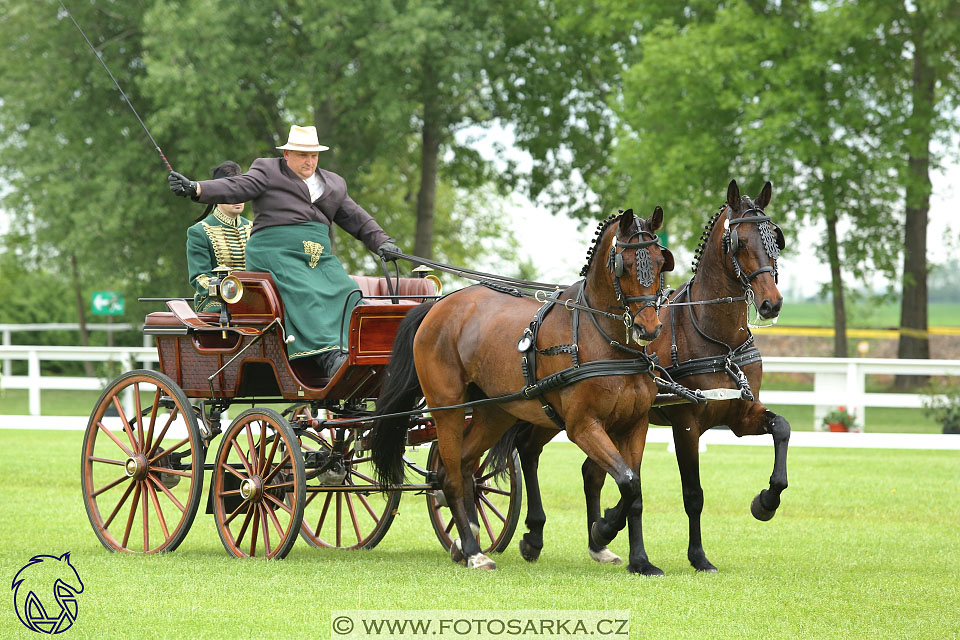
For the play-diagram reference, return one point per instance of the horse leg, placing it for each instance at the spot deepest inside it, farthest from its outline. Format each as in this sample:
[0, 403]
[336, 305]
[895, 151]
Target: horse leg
[595, 442]
[593, 477]
[688, 461]
[530, 443]
[632, 449]
[765, 503]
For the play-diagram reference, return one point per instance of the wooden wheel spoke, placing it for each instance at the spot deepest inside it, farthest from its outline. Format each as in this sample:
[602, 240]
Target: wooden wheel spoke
[276, 469]
[277, 502]
[110, 485]
[339, 516]
[353, 517]
[126, 423]
[243, 527]
[116, 509]
[492, 507]
[360, 460]
[256, 532]
[366, 503]
[230, 469]
[166, 451]
[146, 519]
[235, 512]
[273, 452]
[173, 472]
[166, 491]
[133, 513]
[148, 443]
[273, 518]
[251, 447]
[449, 526]
[115, 439]
[105, 461]
[323, 513]
[136, 403]
[266, 530]
[156, 506]
[163, 432]
[232, 492]
[261, 450]
[243, 456]
[362, 476]
[486, 523]
[310, 497]
[496, 490]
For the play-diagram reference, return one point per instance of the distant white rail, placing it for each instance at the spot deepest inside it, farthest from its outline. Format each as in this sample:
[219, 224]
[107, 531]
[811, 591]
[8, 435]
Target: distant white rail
[836, 381]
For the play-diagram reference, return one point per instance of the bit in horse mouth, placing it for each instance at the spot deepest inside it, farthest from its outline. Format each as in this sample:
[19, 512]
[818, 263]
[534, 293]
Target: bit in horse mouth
[636, 337]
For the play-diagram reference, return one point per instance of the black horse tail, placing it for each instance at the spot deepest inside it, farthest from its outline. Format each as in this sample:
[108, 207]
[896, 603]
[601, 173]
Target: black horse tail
[502, 452]
[399, 392]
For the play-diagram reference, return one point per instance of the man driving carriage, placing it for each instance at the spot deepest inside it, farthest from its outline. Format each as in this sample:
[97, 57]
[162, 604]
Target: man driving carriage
[294, 203]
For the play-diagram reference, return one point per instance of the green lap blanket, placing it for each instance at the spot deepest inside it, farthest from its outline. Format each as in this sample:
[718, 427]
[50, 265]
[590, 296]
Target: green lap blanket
[312, 284]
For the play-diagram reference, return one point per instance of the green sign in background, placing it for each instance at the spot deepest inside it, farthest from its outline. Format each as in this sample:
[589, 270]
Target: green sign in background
[106, 303]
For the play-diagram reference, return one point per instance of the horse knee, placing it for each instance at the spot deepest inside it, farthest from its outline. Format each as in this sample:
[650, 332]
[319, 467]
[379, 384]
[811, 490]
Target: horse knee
[778, 427]
[693, 501]
[629, 484]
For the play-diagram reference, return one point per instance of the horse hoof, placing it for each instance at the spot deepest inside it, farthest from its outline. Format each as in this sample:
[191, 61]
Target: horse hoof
[759, 512]
[481, 561]
[647, 570]
[605, 556]
[456, 552]
[528, 552]
[599, 539]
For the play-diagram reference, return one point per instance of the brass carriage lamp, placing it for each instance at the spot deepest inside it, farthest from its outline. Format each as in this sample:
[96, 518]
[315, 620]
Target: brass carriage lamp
[227, 289]
[423, 271]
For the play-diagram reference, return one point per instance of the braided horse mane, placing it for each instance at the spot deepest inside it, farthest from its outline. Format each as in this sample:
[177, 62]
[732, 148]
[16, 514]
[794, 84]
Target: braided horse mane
[598, 235]
[702, 243]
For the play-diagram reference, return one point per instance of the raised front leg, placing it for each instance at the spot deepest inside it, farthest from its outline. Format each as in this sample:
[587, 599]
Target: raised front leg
[688, 461]
[765, 503]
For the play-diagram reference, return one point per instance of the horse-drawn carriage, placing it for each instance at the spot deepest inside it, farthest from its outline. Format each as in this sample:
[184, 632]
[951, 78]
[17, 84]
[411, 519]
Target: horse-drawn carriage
[337, 481]
[275, 475]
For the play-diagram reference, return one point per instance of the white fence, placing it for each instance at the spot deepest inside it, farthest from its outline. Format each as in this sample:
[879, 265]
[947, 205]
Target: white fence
[837, 381]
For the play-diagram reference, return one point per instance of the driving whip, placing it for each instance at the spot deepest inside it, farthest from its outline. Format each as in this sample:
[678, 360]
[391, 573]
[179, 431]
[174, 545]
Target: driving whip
[125, 98]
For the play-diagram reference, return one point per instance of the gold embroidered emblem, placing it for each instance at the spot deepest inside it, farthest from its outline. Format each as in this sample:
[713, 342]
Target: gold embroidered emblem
[314, 250]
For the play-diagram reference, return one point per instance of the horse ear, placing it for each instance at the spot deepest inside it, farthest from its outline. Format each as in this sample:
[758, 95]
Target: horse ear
[764, 198]
[733, 195]
[656, 219]
[65, 557]
[626, 222]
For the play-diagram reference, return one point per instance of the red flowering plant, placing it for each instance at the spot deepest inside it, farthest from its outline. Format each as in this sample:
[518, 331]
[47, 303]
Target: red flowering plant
[840, 415]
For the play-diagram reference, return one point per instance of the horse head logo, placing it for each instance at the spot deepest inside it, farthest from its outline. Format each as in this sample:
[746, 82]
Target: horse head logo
[33, 586]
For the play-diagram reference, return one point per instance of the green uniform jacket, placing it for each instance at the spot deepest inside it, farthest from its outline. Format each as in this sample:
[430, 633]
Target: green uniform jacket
[215, 240]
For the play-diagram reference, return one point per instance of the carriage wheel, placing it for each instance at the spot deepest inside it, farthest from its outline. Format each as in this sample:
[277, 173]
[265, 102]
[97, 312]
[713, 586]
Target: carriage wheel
[142, 464]
[258, 486]
[498, 507]
[353, 519]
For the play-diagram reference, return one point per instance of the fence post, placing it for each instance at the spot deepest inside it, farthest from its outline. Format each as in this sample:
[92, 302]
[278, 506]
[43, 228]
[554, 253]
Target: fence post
[7, 367]
[856, 387]
[33, 375]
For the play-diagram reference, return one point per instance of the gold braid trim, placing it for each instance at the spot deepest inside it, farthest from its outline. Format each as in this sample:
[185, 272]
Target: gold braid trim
[229, 244]
[314, 250]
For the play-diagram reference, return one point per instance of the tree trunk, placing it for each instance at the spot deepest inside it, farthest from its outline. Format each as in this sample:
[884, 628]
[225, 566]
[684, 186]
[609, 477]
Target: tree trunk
[914, 341]
[81, 313]
[836, 286]
[429, 156]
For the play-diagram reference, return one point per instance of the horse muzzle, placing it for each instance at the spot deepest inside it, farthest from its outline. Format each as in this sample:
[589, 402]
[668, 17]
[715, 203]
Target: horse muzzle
[643, 337]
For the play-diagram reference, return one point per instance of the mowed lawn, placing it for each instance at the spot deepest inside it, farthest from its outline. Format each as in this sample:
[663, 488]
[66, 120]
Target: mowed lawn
[866, 545]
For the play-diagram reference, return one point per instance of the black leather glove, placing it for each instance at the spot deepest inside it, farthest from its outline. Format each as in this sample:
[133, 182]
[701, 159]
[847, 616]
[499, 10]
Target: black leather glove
[181, 185]
[388, 251]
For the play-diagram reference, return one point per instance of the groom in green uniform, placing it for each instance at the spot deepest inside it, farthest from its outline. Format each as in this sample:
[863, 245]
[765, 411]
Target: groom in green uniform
[294, 203]
[216, 239]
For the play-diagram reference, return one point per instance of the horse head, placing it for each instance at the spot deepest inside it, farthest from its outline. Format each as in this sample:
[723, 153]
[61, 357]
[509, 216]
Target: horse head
[751, 244]
[632, 276]
[41, 576]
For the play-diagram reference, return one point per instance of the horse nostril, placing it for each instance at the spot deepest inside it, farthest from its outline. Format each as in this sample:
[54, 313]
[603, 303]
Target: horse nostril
[656, 332]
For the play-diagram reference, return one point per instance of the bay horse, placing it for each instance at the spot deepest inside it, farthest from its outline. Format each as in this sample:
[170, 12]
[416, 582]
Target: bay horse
[465, 347]
[705, 345]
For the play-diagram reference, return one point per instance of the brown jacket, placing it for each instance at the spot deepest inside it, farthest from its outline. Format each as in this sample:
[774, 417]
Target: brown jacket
[278, 196]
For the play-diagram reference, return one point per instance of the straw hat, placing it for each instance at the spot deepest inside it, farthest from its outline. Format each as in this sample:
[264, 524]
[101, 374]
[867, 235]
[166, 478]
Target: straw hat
[303, 139]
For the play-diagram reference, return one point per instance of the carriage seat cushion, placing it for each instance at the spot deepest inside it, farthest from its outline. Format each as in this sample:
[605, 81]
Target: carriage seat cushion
[408, 288]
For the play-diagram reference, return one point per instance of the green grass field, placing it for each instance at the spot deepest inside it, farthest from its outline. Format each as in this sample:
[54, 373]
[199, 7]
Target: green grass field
[863, 315]
[865, 545]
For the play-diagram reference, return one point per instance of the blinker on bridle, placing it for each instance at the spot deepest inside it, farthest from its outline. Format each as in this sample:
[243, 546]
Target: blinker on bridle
[644, 264]
[770, 235]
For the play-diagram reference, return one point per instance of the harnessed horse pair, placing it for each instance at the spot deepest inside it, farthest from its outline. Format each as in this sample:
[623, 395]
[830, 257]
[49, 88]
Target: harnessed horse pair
[453, 351]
